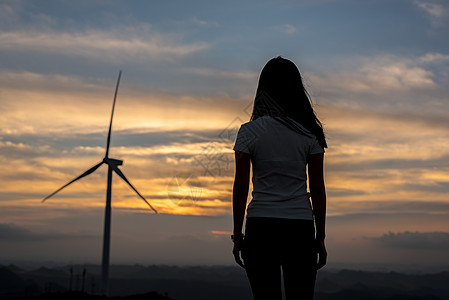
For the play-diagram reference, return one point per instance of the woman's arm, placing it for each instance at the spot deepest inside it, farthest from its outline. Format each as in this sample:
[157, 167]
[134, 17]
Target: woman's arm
[239, 197]
[318, 194]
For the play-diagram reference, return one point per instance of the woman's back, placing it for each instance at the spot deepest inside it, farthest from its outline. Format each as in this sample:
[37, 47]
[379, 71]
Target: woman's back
[279, 157]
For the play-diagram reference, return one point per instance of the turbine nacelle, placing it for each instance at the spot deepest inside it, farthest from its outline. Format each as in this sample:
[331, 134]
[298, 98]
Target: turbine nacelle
[112, 161]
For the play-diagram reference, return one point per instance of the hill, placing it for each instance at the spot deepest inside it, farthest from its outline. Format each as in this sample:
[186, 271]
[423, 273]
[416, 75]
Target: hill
[208, 282]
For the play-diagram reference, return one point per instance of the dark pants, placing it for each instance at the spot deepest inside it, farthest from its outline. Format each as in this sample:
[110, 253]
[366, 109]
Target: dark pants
[274, 243]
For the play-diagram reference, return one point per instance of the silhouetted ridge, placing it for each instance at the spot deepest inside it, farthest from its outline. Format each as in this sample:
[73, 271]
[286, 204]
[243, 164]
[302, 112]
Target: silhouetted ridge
[210, 282]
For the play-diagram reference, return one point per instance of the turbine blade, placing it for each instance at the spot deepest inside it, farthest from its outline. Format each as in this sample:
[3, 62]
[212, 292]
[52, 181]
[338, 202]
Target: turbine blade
[119, 173]
[90, 171]
[112, 114]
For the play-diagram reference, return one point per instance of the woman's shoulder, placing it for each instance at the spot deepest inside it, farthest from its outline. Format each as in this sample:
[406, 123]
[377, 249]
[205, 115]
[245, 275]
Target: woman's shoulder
[259, 123]
[259, 120]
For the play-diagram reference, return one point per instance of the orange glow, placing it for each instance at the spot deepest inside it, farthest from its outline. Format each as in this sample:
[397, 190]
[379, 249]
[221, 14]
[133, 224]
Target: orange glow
[171, 176]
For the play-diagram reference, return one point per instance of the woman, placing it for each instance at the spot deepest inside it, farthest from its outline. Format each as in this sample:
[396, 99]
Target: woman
[283, 229]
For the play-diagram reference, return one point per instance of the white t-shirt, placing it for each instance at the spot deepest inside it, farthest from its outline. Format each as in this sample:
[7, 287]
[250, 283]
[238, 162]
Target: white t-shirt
[279, 158]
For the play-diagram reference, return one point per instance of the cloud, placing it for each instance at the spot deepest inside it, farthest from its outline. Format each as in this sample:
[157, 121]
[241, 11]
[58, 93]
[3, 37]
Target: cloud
[287, 29]
[397, 75]
[218, 74]
[383, 74]
[126, 44]
[434, 58]
[199, 22]
[388, 207]
[415, 240]
[56, 83]
[436, 10]
[10, 232]
[6, 12]
[433, 9]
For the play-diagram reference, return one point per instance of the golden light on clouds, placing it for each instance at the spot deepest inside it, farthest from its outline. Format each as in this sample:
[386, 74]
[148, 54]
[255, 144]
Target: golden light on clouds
[370, 157]
[85, 108]
[152, 168]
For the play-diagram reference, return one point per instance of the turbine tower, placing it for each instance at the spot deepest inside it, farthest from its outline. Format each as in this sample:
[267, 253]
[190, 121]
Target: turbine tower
[112, 166]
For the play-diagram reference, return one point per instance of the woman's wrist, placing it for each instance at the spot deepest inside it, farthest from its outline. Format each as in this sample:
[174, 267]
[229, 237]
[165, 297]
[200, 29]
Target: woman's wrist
[237, 237]
[320, 237]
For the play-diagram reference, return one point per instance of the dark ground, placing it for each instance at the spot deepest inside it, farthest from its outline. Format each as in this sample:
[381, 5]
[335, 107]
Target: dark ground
[207, 283]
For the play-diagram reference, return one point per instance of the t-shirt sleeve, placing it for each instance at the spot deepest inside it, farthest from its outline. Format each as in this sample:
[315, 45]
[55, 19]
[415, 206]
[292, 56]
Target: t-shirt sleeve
[315, 147]
[242, 140]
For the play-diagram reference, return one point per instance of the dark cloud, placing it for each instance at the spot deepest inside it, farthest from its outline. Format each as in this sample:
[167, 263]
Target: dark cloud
[387, 164]
[163, 137]
[5, 196]
[27, 145]
[389, 207]
[338, 192]
[10, 232]
[415, 240]
[441, 187]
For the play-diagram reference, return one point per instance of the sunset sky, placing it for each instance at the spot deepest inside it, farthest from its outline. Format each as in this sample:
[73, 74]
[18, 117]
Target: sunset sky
[377, 71]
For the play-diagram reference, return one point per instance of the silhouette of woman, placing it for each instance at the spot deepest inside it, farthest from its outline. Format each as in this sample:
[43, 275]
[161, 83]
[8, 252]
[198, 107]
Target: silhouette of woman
[283, 139]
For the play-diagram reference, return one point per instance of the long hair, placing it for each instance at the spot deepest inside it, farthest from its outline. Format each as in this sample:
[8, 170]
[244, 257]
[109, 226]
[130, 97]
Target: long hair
[281, 93]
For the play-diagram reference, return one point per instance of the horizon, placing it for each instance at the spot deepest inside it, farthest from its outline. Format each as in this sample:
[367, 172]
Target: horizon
[333, 267]
[377, 72]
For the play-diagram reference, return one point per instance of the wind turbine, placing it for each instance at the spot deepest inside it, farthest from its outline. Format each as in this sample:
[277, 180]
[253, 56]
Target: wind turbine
[112, 166]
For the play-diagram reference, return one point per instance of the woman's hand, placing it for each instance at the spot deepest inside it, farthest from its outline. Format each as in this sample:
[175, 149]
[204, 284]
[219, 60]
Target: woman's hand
[322, 253]
[236, 251]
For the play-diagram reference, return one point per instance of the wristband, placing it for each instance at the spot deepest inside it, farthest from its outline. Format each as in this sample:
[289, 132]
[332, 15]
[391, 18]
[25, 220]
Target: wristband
[237, 237]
